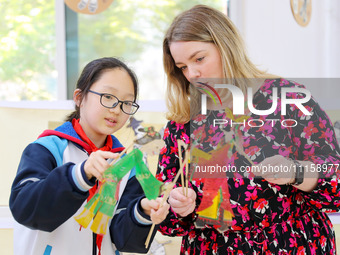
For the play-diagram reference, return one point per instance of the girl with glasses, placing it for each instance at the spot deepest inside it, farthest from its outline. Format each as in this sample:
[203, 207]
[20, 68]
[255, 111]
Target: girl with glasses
[60, 171]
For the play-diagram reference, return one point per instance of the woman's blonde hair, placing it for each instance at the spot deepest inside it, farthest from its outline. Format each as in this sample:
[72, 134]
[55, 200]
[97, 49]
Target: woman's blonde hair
[204, 24]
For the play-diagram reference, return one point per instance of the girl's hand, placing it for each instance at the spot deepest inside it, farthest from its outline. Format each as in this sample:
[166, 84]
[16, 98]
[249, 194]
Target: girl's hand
[153, 209]
[97, 163]
[181, 204]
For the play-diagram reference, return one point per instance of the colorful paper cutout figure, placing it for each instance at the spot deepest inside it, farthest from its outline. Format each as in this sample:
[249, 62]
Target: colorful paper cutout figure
[101, 206]
[215, 208]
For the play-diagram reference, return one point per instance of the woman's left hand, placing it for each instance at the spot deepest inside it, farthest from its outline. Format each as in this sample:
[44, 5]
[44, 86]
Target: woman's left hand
[181, 204]
[277, 169]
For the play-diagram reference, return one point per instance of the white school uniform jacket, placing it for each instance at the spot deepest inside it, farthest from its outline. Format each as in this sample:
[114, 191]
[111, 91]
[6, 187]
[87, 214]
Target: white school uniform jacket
[51, 188]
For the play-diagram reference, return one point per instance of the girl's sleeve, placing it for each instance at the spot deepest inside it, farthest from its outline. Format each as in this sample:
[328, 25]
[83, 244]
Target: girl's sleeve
[168, 165]
[315, 139]
[130, 225]
[43, 195]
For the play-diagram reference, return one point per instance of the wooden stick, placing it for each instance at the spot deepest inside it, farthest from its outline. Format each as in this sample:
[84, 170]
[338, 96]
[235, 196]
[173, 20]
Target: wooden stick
[149, 235]
[179, 144]
[165, 197]
[122, 152]
[187, 155]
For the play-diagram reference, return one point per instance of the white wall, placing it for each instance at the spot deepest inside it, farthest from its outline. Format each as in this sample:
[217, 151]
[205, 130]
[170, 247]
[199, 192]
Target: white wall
[277, 43]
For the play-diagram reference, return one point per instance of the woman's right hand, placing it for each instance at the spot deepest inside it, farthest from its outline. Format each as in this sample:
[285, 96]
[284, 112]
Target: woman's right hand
[181, 204]
[97, 163]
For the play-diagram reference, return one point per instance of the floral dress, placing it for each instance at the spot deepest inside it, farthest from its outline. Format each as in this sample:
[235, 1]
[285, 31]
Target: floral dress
[267, 218]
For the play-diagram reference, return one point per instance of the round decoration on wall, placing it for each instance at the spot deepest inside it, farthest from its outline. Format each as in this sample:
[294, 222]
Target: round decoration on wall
[88, 6]
[302, 11]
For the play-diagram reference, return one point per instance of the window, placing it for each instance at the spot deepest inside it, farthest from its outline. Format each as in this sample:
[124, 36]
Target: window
[27, 50]
[30, 37]
[132, 30]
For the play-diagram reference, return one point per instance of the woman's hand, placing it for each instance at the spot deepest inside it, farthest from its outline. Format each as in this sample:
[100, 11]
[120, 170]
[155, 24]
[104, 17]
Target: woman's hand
[277, 169]
[97, 163]
[181, 204]
[156, 212]
[280, 170]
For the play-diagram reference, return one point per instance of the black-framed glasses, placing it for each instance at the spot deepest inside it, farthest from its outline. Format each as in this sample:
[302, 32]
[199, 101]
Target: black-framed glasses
[111, 101]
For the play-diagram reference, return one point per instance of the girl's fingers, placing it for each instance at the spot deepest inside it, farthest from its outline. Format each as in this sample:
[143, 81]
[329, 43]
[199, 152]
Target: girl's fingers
[157, 216]
[100, 165]
[106, 154]
[97, 163]
[164, 209]
[153, 204]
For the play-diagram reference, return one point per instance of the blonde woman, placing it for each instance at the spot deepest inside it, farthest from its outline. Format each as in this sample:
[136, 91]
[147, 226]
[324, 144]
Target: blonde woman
[272, 212]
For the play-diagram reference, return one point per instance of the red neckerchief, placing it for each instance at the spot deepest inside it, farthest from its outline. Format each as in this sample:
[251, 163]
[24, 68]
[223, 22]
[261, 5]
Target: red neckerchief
[107, 147]
[77, 127]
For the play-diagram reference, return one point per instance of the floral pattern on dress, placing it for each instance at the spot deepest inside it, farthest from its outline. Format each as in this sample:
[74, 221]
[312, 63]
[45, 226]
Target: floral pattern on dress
[268, 218]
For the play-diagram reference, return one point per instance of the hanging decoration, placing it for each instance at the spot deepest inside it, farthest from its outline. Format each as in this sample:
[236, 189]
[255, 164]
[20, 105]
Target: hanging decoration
[302, 11]
[88, 6]
[215, 208]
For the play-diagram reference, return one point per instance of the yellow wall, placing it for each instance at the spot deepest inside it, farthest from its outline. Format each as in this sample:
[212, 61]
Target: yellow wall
[19, 127]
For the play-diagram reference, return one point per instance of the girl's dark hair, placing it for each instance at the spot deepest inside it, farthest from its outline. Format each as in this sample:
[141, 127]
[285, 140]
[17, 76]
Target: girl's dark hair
[92, 73]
